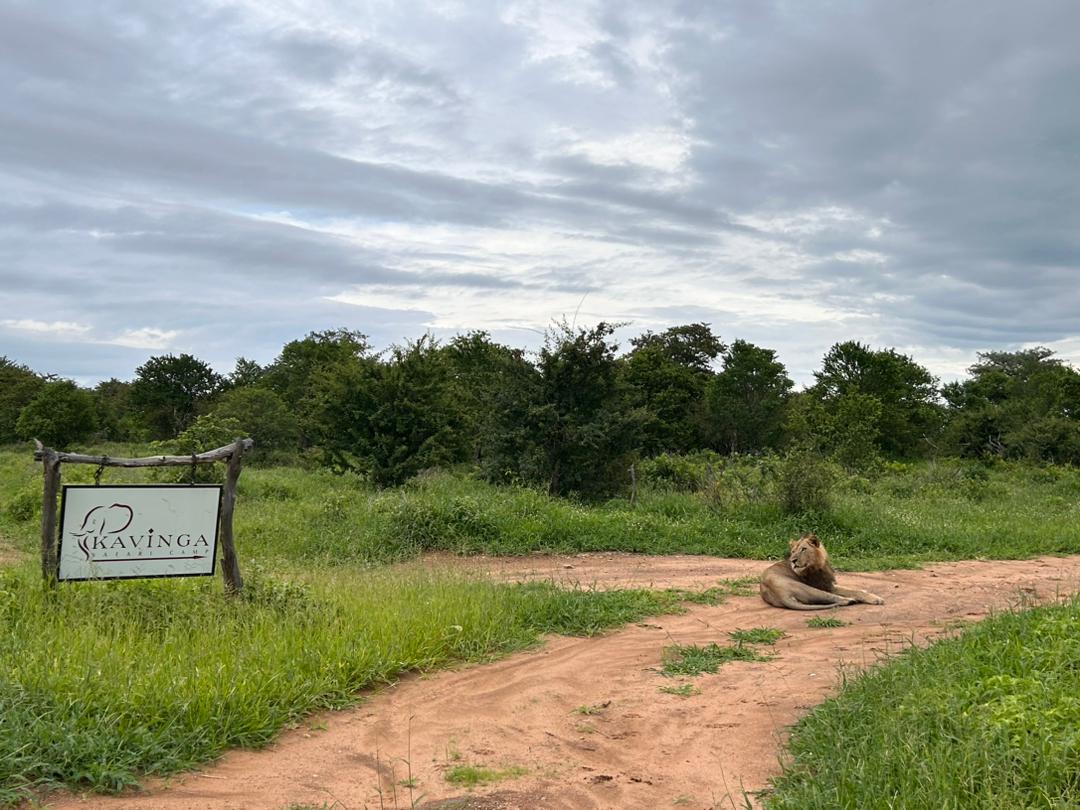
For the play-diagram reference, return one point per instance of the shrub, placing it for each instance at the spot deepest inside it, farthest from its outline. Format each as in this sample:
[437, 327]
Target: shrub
[261, 415]
[60, 414]
[804, 483]
[205, 433]
[683, 473]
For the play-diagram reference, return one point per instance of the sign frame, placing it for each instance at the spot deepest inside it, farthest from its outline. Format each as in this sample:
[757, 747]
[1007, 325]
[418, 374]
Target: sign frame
[214, 546]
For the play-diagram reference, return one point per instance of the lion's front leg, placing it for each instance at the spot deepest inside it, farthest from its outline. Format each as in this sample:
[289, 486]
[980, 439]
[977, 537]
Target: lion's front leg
[859, 596]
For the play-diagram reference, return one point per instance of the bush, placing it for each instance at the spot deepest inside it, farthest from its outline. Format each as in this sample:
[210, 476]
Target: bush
[804, 483]
[24, 504]
[60, 414]
[682, 473]
[262, 415]
[206, 433]
[1053, 439]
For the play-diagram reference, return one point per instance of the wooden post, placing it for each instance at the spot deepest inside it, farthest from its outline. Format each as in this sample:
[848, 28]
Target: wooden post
[230, 566]
[51, 464]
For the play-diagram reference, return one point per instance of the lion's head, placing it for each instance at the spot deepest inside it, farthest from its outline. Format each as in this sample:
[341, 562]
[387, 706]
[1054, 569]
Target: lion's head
[807, 554]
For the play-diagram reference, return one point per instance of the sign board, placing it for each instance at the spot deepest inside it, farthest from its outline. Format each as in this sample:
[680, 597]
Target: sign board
[130, 532]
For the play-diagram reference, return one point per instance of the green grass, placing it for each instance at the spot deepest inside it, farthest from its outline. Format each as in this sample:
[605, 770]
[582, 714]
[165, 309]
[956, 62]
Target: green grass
[596, 708]
[756, 635]
[693, 659]
[990, 719]
[470, 776]
[820, 622]
[718, 593]
[685, 690]
[102, 682]
[906, 515]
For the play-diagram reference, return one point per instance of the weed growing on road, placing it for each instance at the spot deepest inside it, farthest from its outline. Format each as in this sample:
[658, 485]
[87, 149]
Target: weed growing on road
[685, 690]
[691, 659]
[596, 708]
[470, 776]
[826, 621]
[757, 635]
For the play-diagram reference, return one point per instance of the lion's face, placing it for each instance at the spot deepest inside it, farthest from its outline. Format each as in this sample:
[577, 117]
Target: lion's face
[807, 554]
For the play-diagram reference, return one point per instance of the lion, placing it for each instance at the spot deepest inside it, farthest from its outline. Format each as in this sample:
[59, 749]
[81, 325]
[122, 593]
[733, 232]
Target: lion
[804, 580]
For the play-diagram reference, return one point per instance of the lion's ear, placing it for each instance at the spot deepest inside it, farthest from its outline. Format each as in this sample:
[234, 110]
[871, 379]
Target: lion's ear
[813, 538]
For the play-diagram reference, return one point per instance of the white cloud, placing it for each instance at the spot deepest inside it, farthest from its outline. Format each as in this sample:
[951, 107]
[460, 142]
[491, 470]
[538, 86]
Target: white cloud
[661, 148]
[63, 330]
[146, 338]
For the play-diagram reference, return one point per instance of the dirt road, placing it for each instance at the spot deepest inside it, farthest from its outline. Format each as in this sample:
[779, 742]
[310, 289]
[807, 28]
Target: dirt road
[585, 718]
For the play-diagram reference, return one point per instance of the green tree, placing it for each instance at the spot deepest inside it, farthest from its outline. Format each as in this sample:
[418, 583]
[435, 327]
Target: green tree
[907, 393]
[746, 401]
[246, 372]
[170, 391]
[390, 419]
[480, 370]
[666, 375]
[18, 387]
[259, 414]
[855, 429]
[302, 375]
[574, 429]
[1014, 404]
[60, 414]
[290, 375]
[117, 419]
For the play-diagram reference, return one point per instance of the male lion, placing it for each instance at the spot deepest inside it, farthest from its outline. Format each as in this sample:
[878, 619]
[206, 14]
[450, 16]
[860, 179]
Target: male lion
[804, 580]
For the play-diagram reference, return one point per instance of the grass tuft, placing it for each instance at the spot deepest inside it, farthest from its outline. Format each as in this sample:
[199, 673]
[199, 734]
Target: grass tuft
[757, 635]
[685, 690]
[470, 776]
[825, 621]
[691, 659]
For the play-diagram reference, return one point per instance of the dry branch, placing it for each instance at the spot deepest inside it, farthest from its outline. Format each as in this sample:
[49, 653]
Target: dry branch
[220, 454]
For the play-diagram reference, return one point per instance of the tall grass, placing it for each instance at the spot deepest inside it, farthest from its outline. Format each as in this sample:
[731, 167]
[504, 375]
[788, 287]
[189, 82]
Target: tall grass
[987, 720]
[102, 682]
[905, 515]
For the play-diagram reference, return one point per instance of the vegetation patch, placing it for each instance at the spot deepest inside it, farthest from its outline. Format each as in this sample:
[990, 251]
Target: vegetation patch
[987, 719]
[757, 635]
[825, 622]
[470, 776]
[595, 708]
[692, 659]
[683, 690]
[903, 515]
[716, 594]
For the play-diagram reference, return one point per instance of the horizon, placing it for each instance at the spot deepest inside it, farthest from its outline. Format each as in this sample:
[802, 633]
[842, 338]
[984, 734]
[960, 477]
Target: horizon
[622, 336]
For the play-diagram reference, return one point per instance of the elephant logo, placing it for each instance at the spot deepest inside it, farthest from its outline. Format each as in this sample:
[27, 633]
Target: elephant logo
[103, 520]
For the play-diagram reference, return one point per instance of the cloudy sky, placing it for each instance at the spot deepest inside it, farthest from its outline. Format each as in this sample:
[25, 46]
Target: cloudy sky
[222, 177]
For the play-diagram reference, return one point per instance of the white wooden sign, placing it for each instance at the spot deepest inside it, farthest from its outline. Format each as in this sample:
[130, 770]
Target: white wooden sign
[129, 532]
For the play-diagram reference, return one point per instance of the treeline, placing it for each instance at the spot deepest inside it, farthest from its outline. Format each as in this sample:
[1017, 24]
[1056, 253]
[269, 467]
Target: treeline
[572, 417]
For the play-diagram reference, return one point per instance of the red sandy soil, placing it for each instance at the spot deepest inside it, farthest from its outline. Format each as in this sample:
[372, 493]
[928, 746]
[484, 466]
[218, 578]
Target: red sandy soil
[639, 747]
